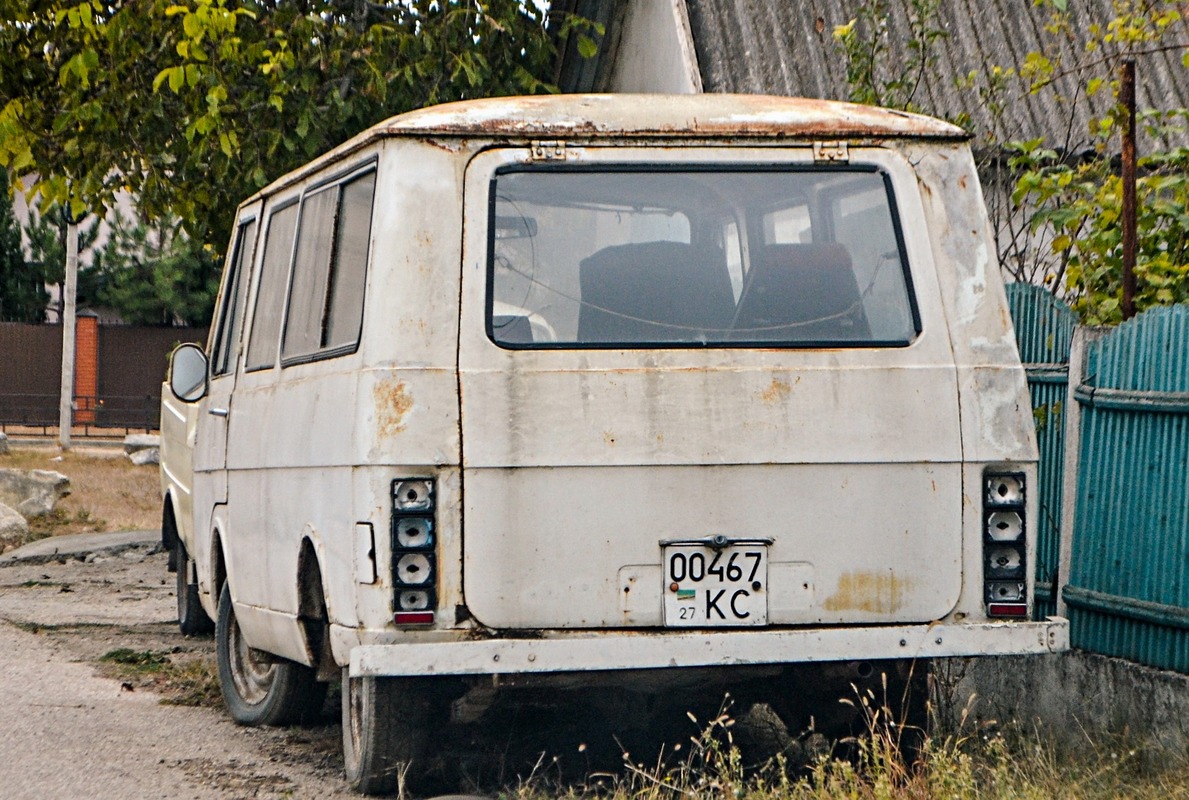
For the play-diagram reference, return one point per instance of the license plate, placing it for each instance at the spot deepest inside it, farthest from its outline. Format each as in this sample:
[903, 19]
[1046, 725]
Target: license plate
[707, 586]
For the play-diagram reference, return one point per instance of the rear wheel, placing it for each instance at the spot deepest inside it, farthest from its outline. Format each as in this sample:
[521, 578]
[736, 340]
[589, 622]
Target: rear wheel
[192, 617]
[383, 735]
[259, 688]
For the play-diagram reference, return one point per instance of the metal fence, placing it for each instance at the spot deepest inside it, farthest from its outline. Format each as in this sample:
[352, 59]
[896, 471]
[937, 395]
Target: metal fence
[1128, 589]
[1044, 331]
[131, 364]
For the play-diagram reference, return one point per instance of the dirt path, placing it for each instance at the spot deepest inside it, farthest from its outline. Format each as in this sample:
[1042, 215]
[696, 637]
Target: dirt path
[73, 724]
[67, 732]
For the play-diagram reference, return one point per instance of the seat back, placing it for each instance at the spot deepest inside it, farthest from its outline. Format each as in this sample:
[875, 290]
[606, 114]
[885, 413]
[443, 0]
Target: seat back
[801, 292]
[653, 292]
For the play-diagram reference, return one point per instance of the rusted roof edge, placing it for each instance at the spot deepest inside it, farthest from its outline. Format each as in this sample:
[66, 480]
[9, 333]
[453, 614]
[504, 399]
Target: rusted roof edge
[752, 117]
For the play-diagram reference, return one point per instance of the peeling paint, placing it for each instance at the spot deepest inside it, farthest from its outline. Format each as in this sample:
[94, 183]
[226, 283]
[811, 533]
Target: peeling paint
[873, 592]
[393, 404]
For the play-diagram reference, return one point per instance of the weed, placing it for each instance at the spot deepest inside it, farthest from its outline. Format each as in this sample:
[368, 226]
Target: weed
[1013, 765]
[140, 660]
[181, 679]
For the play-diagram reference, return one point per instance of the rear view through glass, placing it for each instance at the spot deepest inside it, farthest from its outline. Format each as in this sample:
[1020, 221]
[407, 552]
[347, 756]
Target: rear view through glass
[789, 257]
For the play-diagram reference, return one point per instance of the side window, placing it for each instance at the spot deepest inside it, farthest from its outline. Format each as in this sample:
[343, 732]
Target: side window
[344, 306]
[270, 295]
[231, 319]
[329, 271]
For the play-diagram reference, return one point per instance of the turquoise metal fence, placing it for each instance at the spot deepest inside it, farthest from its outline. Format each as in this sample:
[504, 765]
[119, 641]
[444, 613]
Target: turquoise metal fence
[1044, 331]
[1128, 592]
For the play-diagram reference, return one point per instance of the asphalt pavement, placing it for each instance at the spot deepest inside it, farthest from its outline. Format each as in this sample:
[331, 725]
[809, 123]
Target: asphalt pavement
[78, 546]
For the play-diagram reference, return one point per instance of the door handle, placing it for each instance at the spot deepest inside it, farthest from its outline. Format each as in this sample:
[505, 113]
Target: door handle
[217, 412]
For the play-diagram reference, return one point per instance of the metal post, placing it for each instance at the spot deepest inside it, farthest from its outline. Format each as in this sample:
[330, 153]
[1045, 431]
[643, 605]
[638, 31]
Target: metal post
[69, 291]
[1127, 99]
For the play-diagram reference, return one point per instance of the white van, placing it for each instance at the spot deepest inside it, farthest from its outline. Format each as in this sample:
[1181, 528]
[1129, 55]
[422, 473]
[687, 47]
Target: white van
[700, 386]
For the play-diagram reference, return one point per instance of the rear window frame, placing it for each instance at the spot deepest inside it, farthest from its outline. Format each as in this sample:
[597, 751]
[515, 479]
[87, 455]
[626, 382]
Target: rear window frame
[710, 167]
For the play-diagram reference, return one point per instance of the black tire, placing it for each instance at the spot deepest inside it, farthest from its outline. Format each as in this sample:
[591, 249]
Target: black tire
[383, 735]
[258, 688]
[192, 617]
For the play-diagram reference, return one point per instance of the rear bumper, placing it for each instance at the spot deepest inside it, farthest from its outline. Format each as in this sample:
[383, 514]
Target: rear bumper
[585, 651]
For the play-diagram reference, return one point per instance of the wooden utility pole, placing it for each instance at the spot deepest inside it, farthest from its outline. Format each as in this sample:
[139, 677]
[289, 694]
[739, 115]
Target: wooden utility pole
[1127, 98]
[69, 293]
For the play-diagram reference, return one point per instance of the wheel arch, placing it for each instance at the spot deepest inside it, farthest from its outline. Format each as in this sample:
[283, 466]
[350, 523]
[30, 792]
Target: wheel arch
[169, 525]
[314, 609]
[218, 563]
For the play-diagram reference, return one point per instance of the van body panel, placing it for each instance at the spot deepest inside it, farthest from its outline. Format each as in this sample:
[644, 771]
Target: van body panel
[993, 390]
[582, 651]
[578, 462]
[178, 421]
[689, 408]
[272, 631]
[873, 541]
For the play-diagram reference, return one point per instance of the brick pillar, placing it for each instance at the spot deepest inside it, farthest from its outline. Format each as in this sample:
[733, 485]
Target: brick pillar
[86, 368]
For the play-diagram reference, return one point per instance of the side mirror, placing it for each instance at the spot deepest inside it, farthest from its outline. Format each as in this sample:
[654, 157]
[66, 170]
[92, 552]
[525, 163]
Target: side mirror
[187, 373]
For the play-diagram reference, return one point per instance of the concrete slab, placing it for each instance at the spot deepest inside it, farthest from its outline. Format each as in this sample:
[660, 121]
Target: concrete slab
[78, 546]
[1078, 697]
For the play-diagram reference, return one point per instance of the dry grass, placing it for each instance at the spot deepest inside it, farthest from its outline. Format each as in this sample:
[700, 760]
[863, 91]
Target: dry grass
[181, 678]
[107, 491]
[1012, 765]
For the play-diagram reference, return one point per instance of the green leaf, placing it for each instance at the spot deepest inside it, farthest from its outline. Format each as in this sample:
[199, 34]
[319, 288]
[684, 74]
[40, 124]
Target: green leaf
[162, 76]
[587, 47]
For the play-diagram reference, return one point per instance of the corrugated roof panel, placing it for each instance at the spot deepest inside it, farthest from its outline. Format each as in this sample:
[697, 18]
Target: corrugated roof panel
[780, 47]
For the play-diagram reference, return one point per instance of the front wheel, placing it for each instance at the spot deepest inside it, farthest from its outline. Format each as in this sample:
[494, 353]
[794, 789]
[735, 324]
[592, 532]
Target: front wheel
[258, 688]
[192, 617]
[383, 736]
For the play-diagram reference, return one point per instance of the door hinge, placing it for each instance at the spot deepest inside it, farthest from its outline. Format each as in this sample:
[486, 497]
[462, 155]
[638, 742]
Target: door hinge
[547, 151]
[831, 151]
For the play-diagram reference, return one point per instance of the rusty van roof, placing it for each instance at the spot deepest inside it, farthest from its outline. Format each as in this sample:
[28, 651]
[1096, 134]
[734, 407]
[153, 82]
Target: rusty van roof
[637, 116]
[597, 116]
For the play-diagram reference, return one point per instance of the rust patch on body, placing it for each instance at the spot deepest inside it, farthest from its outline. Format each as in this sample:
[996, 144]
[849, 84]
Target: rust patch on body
[393, 404]
[778, 390]
[874, 592]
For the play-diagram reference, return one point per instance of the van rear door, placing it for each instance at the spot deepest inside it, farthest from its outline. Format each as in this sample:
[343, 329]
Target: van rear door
[704, 387]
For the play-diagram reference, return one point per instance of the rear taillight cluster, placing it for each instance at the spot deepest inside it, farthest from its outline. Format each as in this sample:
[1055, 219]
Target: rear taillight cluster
[414, 540]
[1005, 545]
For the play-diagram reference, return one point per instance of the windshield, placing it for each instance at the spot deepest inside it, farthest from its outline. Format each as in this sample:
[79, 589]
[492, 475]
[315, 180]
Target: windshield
[784, 257]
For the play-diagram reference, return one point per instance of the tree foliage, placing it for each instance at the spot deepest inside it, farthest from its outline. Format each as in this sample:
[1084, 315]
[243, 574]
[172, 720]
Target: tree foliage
[153, 274]
[22, 286]
[192, 105]
[879, 72]
[1063, 227]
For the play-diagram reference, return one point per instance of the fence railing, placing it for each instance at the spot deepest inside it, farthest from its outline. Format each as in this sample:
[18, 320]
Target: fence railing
[38, 413]
[1044, 331]
[1126, 537]
[1128, 588]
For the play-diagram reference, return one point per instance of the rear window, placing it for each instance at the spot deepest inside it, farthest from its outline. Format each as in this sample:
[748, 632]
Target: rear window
[716, 257]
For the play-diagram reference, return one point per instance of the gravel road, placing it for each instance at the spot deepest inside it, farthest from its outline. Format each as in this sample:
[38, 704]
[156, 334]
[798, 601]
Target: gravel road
[67, 732]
